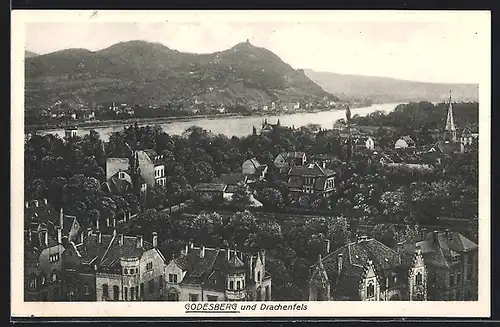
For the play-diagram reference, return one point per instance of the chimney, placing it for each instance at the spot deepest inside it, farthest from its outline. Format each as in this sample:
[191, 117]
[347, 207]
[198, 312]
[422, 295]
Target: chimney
[424, 232]
[45, 237]
[435, 235]
[120, 239]
[82, 236]
[59, 235]
[29, 235]
[114, 232]
[27, 204]
[191, 245]
[447, 233]
[319, 258]
[139, 241]
[202, 251]
[99, 237]
[45, 201]
[155, 239]
[228, 254]
[97, 227]
[61, 217]
[89, 231]
[186, 249]
[107, 222]
[114, 222]
[327, 246]
[35, 202]
[250, 265]
[324, 165]
[339, 263]
[263, 256]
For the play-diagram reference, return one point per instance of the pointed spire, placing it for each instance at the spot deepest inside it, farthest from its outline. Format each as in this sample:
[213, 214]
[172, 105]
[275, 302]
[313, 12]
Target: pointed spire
[348, 114]
[450, 128]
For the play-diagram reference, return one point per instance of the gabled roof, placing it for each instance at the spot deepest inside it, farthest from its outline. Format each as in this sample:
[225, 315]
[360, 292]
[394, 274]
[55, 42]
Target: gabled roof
[445, 147]
[355, 256]
[254, 162]
[107, 254]
[210, 187]
[438, 247]
[118, 186]
[43, 212]
[151, 153]
[313, 170]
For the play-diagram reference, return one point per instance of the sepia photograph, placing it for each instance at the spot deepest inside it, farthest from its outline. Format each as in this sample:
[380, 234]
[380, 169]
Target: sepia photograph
[277, 163]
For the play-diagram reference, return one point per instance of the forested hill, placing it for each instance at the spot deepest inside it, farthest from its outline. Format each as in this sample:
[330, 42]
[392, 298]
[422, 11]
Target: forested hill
[139, 72]
[384, 89]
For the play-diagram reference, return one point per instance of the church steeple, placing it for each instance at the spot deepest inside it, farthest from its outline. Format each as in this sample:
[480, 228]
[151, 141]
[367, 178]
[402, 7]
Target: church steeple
[450, 129]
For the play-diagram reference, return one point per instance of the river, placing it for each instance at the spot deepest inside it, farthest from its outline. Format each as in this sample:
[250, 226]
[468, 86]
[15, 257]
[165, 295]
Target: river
[242, 126]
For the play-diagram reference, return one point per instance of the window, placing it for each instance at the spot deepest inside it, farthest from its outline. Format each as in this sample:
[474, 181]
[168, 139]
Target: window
[459, 277]
[142, 290]
[469, 272]
[116, 293]
[105, 291]
[137, 292]
[418, 278]
[231, 285]
[258, 276]
[370, 290]
[136, 270]
[151, 286]
[238, 286]
[132, 293]
[54, 276]
[125, 292]
[149, 266]
[172, 278]
[125, 271]
[212, 298]
[43, 280]
[121, 175]
[193, 297]
[86, 289]
[33, 282]
[160, 281]
[452, 278]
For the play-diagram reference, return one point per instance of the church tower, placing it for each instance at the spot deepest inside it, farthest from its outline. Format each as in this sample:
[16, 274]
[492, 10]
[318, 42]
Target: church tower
[450, 132]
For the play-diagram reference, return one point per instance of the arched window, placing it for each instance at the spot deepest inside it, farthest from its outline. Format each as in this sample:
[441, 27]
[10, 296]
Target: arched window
[258, 276]
[43, 280]
[370, 290]
[238, 286]
[418, 278]
[54, 276]
[231, 285]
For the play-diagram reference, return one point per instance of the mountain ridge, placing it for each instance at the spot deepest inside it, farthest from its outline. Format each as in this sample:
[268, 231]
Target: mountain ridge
[151, 73]
[389, 89]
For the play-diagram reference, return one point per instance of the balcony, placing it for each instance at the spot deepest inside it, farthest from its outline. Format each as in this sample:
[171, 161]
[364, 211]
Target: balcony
[238, 295]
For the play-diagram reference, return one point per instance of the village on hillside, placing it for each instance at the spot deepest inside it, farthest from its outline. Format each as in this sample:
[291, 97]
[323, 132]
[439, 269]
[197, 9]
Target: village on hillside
[353, 213]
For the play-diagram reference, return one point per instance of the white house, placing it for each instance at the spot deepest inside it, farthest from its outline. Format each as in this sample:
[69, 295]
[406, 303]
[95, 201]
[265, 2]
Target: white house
[404, 142]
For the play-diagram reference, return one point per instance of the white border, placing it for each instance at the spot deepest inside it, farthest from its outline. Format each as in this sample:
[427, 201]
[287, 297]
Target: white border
[480, 308]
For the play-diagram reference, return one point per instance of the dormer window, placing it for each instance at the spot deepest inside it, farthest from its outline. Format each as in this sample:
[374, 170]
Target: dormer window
[121, 175]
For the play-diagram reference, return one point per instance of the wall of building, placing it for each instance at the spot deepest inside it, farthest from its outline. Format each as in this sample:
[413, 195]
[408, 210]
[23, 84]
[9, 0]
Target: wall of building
[154, 274]
[147, 168]
[107, 279]
[186, 290]
[248, 168]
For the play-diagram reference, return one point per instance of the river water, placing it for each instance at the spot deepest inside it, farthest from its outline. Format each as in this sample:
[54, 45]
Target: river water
[242, 126]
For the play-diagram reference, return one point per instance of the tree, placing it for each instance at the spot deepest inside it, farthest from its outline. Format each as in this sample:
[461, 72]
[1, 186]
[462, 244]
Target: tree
[271, 197]
[241, 197]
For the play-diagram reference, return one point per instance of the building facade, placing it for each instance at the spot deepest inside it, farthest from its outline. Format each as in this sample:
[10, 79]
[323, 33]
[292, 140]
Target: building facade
[367, 270]
[113, 267]
[452, 263]
[209, 274]
[311, 179]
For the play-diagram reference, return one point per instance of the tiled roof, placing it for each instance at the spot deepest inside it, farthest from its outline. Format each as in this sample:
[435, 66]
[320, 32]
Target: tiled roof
[312, 170]
[210, 187]
[408, 139]
[107, 254]
[42, 212]
[151, 153]
[438, 248]
[37, 242]
[355, 256]
[231, 189]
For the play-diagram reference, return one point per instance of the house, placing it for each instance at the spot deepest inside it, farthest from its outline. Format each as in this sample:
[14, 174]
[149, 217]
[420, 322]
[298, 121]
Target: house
[289, 159]
[70, 132]
[121, 174]
[42, 264]
[254, 170]
[311, 179]
[113, 267]
[148, 163]
[445, 148]
[325, 159]
[210, 193]
[367, 270]
[468, 141]
[212, 274]
[452, 263]
[41, 213]
[404, 142]
[269, 127]
[232, 182]
[366, 142]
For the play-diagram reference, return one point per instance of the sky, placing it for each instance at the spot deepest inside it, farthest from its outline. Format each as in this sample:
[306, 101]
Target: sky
[441, 51]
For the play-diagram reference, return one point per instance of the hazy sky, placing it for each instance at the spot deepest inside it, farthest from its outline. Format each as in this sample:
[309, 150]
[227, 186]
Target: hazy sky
[446, 51]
